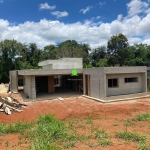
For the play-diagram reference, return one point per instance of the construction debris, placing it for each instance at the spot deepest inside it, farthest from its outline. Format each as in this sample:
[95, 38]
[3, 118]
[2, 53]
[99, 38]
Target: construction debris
[4, 88]
[60, 98]
[9, 104]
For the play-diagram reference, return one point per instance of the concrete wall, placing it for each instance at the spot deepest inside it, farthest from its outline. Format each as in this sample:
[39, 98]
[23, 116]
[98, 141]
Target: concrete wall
[125, 88]
[97, 86]
[29, 86]
[48, 67]
[99, 82]
[64, 63]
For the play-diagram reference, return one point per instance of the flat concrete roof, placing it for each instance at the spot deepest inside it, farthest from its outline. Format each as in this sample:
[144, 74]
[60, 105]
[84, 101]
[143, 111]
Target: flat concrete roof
[40, 72]
[119, 70]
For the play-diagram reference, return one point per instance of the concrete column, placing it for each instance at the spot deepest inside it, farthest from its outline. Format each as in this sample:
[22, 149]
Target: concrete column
[50, 84]
[84, 86]
[14, 81]
[33, 89]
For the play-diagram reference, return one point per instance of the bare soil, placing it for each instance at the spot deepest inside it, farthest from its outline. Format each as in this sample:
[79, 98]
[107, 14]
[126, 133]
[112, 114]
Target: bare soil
[108, 116]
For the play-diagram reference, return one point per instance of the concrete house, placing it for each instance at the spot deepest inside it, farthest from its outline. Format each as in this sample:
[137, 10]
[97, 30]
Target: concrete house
[67, 75]
[112, 83]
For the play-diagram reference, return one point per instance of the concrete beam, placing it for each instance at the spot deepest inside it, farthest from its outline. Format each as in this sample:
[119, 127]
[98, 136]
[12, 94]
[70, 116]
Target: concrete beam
[41, 72]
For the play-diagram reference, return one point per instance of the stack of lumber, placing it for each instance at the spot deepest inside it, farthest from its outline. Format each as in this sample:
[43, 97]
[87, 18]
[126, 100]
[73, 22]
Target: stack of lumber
[9, 105]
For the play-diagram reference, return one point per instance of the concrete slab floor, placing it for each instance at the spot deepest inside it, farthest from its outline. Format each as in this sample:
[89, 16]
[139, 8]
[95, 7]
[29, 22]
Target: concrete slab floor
[47, 96]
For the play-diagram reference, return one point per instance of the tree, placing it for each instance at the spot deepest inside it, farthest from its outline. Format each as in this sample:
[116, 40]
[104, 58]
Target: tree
[85, 55]
[49, 52]
[117, 50]
[9, 53]
[71, 48]
[99, 57]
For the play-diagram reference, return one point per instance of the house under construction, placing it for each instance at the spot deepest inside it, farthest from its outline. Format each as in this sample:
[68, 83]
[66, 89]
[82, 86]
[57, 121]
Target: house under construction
[68, 75]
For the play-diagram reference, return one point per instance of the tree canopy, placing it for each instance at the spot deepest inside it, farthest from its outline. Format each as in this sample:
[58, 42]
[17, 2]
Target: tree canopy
[17, 56]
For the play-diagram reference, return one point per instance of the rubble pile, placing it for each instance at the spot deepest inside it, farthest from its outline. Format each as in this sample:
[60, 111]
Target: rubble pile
[9, 105]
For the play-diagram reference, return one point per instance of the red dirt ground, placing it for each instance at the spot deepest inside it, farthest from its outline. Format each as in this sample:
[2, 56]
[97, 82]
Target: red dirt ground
[81, 107]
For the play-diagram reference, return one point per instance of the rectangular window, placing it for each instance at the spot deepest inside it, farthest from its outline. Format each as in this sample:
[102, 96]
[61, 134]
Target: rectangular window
[129, 80]
[112, 82]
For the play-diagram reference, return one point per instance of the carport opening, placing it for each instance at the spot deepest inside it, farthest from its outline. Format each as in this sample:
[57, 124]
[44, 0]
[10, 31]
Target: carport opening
[68, 83]
[41, 84]
[57, 84]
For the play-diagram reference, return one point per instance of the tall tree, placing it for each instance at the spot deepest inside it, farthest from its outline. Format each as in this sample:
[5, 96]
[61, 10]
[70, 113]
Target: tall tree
[99, 57]
[9, 52]
[49, 52]
[117, 50]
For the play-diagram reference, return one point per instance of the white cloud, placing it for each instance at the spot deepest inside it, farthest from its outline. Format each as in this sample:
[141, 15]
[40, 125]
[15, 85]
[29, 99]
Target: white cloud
[98, 17]
[46, 6]
[102, 3]
[46, 32]
[84, 11]
[136, 7]
[60, 14]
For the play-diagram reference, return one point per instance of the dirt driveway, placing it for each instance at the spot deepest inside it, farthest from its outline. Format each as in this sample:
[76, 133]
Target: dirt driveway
[76, 107]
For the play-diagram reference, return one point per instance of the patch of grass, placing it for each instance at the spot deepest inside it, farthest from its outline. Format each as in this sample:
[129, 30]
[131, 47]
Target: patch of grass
[115, 124]
[16, 127]
[71, 125]
[89, 120]
[92, 145]
[49, 130]
[142, 117]
[48, 127]
[128, 123]
[105, 142]
[43, 144]
[2, 129]
[130, 136]
[99, 134]
[69, 144]
[85, 137]
[144, 147]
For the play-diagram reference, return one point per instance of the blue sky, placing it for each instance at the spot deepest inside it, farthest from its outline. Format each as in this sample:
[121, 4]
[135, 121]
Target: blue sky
[86, 21]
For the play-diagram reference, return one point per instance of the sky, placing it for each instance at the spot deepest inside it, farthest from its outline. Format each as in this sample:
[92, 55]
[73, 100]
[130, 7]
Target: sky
[46, 22]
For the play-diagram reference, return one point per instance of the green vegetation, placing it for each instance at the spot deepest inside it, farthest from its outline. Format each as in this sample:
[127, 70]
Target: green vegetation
[142, 117]
[16, 127]
[131, 136]
[144, 147]
[105, 142]
[18, 56]
[100, 134]
[44, 134]
[47, 132]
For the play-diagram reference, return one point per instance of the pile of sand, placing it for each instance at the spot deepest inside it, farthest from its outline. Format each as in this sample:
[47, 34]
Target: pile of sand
[3, 88]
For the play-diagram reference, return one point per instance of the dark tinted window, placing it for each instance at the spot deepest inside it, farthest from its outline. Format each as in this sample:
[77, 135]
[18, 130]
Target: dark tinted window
[129, 80]
[112, 82]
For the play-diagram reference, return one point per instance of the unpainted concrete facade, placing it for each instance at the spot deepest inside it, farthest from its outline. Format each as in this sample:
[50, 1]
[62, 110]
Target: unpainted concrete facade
[99, 87]
[94, 82]
[63, 63]
[50, 68]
